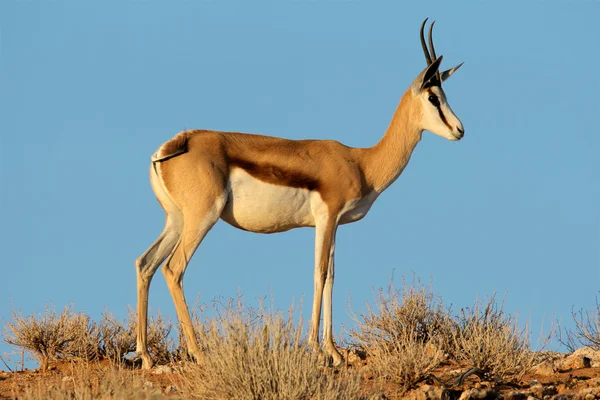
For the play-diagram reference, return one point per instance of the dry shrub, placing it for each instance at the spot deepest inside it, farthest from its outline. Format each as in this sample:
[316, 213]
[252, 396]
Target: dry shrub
[490, 340]
[71, 335]
[118, 338]
[50, 336]
[587, 329]
[403, 334]
[92, 382]
[250, 354]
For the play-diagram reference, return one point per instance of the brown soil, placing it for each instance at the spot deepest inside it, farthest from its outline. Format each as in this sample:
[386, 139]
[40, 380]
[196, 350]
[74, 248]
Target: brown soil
[579, 383]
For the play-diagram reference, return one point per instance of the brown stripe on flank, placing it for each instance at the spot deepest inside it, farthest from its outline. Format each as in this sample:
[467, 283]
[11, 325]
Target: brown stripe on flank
[276, 175]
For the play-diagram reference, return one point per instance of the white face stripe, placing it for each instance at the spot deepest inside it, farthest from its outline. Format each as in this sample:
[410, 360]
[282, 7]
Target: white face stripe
[440, 120]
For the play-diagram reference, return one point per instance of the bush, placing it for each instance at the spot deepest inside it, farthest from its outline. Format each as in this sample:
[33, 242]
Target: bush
[587, 329]
[71, 335]
[490, 340]
[404, 334]
[255, 355]
[51, 336]
[118, 338]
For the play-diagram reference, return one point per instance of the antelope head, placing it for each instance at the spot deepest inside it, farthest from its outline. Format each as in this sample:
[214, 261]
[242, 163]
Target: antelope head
[437, 116]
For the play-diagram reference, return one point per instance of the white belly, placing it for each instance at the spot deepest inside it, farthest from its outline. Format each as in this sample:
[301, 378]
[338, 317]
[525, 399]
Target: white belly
[257, 206]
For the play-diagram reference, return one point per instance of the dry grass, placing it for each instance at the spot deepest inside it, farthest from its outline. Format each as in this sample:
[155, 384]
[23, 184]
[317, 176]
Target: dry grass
[404, 334]
[250, 354]
[491, 340]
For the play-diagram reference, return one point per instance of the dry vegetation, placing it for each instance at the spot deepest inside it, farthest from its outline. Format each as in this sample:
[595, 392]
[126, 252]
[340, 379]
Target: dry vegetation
[408, 333]
[69, 335]
[406, 343]
[587, 329]
[491, 341]
[251, 354]
[404, 333]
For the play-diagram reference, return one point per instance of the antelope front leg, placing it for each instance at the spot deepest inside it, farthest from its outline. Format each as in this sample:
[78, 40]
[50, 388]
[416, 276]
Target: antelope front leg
[320, 238]
[324, 244]
[328, 310]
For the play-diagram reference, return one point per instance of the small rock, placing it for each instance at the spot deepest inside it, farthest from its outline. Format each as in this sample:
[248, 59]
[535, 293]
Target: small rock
[163, 369]
[148, 385]
[479, 394]
[562, 388]
[427, 392]
[590, 393]
[171, 389]
[545, 368]
[532, 398]
[549, 391]
[66, 378]
[515, 395]
[592, 355]
[537, 391]
[584, 357]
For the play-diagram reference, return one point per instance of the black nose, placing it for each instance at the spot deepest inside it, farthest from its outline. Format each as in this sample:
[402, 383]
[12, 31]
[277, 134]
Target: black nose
[460, 130]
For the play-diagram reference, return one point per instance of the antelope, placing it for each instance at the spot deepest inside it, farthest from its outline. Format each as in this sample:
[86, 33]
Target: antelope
[267, 184]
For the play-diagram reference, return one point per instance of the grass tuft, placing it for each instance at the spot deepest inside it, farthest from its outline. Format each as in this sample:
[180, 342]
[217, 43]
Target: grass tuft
[489, 339]
[252, 354]
[404, 334]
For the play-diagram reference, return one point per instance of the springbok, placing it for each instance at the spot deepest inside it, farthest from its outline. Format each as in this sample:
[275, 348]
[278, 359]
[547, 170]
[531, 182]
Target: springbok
[267, 184]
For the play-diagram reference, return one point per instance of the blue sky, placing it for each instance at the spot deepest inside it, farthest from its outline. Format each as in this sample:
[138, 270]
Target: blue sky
[88, 91]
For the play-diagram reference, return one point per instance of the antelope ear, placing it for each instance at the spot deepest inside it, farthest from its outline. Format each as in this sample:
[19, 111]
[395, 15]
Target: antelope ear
[427, 77]
[446, 74]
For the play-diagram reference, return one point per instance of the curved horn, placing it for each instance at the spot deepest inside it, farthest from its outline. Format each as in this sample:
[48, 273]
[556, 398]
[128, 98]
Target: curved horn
[433, 56]
[432, 48]
[427, 56]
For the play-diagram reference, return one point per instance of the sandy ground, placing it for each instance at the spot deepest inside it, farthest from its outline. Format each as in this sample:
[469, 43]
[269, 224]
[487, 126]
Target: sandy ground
[560, 377]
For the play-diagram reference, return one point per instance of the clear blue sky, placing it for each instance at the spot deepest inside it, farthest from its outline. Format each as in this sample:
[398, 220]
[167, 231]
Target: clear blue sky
[90, 89]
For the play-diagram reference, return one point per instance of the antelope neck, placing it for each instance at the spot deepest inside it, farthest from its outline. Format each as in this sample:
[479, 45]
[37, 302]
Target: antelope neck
[385, 161]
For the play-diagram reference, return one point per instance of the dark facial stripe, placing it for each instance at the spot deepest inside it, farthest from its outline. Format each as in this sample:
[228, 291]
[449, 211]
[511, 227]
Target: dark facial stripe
[440, 113]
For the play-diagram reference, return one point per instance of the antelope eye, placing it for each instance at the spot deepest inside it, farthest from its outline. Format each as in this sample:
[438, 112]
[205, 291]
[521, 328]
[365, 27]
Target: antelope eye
[434, 100]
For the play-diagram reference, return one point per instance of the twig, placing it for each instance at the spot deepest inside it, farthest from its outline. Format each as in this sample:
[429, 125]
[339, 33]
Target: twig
[4, 362]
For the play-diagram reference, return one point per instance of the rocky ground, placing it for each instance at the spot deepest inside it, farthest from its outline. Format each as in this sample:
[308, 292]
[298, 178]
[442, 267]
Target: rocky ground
[559, 376]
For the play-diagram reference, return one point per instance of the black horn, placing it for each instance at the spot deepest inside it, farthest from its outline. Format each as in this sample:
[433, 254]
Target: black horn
[432, 49]
[424, 45]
